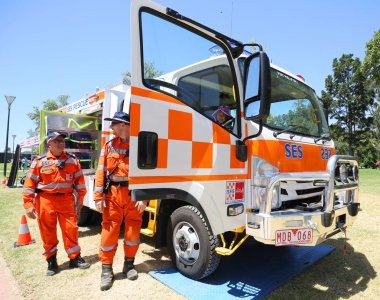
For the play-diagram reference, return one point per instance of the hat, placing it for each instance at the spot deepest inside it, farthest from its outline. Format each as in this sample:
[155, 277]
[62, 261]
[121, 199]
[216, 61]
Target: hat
[224, 109]
[119, 116]
[53, 135]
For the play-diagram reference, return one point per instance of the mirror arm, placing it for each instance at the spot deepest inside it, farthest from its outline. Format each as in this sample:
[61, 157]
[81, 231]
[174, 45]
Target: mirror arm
[254, 45]
[256, 134]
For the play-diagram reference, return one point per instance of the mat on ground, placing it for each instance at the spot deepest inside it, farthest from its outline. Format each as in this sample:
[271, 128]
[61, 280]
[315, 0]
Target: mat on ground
[251, 273]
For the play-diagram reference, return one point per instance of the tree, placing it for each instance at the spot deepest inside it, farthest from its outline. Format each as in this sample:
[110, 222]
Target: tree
[47, 104]
[371, 64]
[30, 133]
[149, 72]
[349, 99]
[371, 68]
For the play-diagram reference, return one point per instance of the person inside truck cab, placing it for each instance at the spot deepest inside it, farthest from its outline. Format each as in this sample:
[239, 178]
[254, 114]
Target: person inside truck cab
[223, 116]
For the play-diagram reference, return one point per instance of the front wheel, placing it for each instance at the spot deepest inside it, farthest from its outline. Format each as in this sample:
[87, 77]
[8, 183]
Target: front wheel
[191, 245]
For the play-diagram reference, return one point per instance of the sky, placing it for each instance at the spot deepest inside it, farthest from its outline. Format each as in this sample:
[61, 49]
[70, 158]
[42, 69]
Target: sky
[50, 48]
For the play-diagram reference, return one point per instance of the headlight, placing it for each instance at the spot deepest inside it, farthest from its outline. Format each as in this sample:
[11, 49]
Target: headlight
[353, 173]
[262, 172]
[343, 173]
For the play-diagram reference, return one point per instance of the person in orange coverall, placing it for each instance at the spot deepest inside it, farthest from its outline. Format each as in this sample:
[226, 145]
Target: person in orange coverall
[116, 204]
[48, 195]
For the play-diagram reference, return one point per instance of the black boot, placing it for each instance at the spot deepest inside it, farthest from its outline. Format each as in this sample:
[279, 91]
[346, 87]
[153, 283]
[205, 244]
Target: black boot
[52, 265]
[78, 262]
[106, 279]
[129, 268]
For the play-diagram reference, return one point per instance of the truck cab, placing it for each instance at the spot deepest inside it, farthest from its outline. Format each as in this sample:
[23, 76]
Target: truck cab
[273, 174]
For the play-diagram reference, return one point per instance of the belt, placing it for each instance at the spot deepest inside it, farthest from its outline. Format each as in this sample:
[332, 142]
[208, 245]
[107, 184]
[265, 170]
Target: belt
[53, 193]
[119, 183]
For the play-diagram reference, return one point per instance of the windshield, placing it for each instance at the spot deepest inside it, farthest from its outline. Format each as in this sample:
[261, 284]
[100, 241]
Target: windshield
[295, 107]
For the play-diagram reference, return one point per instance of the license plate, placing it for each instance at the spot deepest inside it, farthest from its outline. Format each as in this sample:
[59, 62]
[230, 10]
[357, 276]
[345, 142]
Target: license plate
[294, 236]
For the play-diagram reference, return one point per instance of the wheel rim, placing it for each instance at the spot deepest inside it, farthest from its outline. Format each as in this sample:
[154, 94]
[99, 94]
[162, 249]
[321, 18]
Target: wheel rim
[186, 243]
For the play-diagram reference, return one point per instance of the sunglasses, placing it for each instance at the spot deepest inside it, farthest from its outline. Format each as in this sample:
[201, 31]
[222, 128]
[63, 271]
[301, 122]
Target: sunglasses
[58, 141]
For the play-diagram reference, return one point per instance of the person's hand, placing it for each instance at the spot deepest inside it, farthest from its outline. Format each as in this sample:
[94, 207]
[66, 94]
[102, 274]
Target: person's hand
[99, 205]
[79, 206]
[31, 212]
[141, 206]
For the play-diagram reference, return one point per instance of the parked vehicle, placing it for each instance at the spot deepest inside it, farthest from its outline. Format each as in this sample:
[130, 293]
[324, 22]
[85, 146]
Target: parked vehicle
[272, 173]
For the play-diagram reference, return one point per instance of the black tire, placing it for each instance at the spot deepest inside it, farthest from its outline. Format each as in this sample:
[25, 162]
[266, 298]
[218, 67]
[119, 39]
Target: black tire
[83, 216]
[191, 245]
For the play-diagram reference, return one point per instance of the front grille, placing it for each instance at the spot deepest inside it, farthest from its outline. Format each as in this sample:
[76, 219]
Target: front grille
[309, 191]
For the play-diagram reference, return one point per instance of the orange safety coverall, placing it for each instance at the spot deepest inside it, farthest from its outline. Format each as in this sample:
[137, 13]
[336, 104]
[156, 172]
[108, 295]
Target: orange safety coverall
[118, 202]
[54, 188]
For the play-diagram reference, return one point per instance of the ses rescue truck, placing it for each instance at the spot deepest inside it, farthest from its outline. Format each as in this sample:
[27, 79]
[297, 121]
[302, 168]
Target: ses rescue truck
[272, 174]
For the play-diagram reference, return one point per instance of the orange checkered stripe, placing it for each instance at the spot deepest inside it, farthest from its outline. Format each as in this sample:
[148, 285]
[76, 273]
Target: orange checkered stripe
[180, 125]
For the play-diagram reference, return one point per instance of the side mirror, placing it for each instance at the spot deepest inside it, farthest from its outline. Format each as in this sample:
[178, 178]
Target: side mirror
[257, 86]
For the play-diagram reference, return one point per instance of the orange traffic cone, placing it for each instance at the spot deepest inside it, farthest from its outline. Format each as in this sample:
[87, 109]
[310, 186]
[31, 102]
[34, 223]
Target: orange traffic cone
[24, 237]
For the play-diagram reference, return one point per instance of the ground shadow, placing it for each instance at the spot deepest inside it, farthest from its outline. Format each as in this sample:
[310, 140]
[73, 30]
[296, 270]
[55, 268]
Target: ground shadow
[336, 276]
[90, 231]
[91, 259]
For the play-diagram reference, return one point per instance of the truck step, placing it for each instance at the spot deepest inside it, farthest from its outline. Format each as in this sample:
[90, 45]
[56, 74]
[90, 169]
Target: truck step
[148, 232]
[223, 251]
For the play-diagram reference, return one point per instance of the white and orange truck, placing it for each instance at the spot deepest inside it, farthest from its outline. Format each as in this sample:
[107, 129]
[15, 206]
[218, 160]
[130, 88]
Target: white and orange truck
[271, 174]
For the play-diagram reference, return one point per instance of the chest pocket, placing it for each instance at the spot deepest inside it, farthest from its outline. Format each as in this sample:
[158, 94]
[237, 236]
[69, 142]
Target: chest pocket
[48, 173]
[48, 170]
[112, 160]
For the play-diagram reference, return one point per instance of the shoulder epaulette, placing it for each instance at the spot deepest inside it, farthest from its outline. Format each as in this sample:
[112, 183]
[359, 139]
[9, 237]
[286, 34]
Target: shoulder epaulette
[71, 155]
[110, 141]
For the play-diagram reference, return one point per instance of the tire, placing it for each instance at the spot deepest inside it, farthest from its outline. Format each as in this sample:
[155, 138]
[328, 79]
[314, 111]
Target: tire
[83, 216]
[191, 245]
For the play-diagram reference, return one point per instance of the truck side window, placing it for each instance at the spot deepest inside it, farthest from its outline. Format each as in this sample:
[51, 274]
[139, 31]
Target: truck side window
[211, 89]
[187, 66]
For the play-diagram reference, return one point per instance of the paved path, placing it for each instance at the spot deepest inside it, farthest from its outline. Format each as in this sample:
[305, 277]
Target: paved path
[8, 286]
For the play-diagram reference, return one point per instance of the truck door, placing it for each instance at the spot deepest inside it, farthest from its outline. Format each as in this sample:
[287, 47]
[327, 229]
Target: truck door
[183, 77]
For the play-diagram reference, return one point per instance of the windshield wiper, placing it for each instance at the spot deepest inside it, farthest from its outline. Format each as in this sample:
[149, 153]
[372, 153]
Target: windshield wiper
[324, 138]
[290, 129]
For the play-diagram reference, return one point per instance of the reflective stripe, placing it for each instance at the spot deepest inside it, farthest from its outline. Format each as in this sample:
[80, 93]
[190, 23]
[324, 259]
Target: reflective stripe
[80, 186]
[77, 174]
[73, 249]
[116, 150]
[102, 168]
[102, 152]
[118, 178]
[50, 250]
[129, 243]
[70, 161]
[28, 191]
[23, 229]
[105, 248]
[35, 177]
[54, 185]
[98, 189]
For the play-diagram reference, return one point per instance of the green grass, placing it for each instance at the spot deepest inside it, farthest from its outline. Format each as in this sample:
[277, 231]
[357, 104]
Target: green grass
[336, 276]
[20, 173]
[352, 276]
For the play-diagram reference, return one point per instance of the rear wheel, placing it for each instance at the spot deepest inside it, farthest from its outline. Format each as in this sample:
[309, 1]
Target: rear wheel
[191, 245]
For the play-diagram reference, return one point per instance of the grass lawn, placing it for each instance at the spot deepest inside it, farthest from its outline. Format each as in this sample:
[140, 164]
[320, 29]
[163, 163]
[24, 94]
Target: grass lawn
[336, 276]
